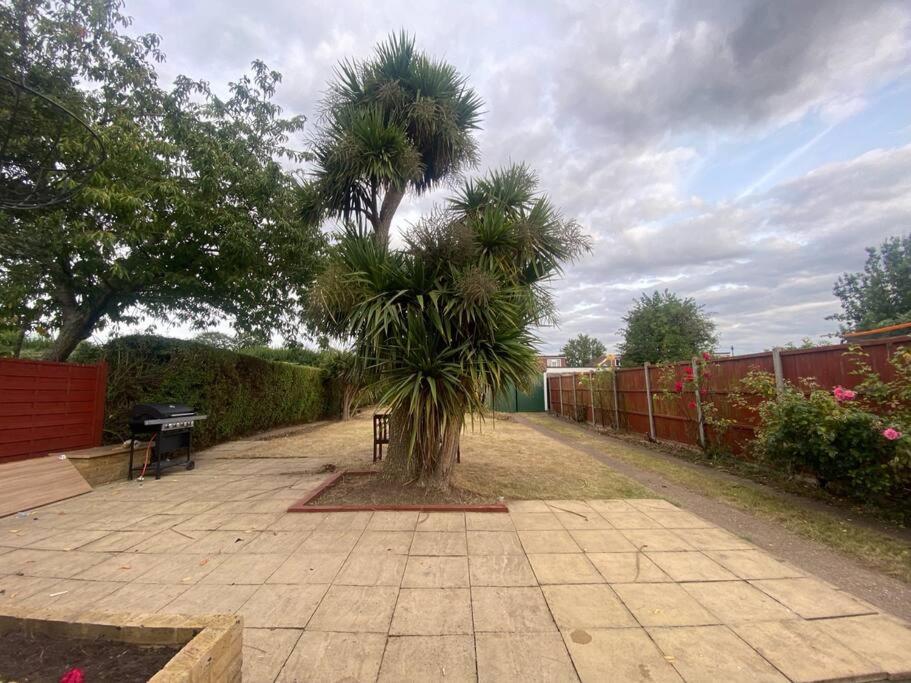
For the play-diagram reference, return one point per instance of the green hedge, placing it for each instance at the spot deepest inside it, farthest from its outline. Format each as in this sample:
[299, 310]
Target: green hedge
[240, 394]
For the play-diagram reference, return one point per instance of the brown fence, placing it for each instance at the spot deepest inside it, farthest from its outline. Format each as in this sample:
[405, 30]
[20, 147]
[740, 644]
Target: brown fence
[49, 407]
[633, 399]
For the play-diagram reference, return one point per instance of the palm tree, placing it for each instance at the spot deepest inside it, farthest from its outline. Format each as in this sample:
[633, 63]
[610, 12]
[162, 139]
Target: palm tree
[448, 320]
[400, 120]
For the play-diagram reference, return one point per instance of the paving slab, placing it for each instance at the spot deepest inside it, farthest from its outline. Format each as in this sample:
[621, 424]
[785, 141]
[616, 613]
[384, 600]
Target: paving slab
[139, 598]
[548, 542]
[319, 657]
[883, 640]
[510, 609]
[332, 541]
[656, 540]
[627, 568]
[440, 521]
[485, 521]
[753, 564]
[630, 519]
[501, 570]
[372, 570]
[679, 519]
[392, 520]
[624, 654]
[587, 607]
[524, 506]
[245, 568]
[564, 568]
[813, 599]
[494, 543]
[734, 602]
[396, 542]
[282, 605]
[275, 542]
[523, 658]
[804, 652]
[123, 567]
[308, 567]
[209, 599]
[355, 609]
[690, 566]
[714, 538]
[429, 659]
[601, 541]
[439, 543]
[535, 521]
[588, 520]
[663, 604]
[432, 612]
[265, 651]
[436, 572]
[713, 653]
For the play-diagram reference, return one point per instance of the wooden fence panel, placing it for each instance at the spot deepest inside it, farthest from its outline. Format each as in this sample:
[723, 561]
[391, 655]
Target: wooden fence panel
[675, 415]
[48, 406]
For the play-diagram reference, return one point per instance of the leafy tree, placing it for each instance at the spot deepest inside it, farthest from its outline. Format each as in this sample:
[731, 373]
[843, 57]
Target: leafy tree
[583, 351]
[191, 217]
[447, 320]
[880, 295]
[664, 328]
[398, 121]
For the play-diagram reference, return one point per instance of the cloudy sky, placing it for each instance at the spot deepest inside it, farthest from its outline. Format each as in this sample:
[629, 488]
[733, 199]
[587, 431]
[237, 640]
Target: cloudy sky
[740, 152]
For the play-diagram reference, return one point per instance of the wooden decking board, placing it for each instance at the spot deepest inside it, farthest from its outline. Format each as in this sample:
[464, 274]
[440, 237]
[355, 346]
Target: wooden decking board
[26, 484]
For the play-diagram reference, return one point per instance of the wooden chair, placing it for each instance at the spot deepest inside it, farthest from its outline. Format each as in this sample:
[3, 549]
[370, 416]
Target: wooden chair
[381, 437]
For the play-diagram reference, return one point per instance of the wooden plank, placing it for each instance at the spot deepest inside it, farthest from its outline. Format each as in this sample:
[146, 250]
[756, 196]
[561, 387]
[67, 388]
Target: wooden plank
[27, 484]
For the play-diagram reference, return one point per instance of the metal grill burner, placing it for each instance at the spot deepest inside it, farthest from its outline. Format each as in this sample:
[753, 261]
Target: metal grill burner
[170, 427]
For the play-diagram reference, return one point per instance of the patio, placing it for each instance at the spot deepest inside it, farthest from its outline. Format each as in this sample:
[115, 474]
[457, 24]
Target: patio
[557, 590]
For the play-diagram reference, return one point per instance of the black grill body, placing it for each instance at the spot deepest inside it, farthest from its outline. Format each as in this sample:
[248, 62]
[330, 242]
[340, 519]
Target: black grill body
[169, 427]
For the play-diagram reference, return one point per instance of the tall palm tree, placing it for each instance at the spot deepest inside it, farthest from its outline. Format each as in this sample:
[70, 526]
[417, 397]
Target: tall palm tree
[449, 319]
[400, 120]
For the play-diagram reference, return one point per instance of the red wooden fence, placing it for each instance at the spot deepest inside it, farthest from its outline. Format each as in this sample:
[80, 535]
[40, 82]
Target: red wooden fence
[618, 399]
[48, 406]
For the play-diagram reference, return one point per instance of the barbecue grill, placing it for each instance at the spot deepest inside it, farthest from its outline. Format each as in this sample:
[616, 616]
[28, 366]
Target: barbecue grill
[170, 430]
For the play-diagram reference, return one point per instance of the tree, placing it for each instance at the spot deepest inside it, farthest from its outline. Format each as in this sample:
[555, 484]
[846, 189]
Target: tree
[583, 351]
[880, 295]
[664, 328]
[398, 121]
[191, 217]
[447, 321]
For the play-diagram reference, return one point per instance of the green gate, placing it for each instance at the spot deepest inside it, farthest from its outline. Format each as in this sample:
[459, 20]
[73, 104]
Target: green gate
[512, 400]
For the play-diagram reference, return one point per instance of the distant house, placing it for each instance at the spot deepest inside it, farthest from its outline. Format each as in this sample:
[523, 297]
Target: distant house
[549, 362]
[608, 360]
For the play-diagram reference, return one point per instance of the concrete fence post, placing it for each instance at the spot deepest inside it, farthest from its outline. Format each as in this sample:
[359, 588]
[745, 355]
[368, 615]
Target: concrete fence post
[616, 399]
[651, 411]
[700, 423]
[779, 372]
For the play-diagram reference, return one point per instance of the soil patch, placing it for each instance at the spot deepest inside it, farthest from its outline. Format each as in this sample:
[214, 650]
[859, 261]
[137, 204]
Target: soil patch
[25, 658]
[366, 490]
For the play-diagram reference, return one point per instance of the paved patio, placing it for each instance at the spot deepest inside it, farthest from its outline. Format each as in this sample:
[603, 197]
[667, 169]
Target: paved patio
[598, 590]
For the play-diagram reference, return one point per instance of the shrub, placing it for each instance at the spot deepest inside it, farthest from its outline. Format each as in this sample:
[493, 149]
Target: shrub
[240, 394]
[832, 436]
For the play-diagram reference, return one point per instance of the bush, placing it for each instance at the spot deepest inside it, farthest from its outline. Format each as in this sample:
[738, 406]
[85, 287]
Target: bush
[832, 436]
[240, 394]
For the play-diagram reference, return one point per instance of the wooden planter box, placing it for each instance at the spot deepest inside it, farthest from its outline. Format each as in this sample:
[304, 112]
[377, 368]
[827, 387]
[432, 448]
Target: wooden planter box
[103, 464]
[212, 645]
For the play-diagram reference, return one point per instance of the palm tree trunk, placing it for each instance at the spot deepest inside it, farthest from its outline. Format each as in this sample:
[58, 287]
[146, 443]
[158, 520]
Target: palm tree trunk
[397, 466]
[381, 227]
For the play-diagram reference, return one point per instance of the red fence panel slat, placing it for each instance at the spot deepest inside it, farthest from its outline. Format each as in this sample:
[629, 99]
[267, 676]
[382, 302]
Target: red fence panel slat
[48, 406]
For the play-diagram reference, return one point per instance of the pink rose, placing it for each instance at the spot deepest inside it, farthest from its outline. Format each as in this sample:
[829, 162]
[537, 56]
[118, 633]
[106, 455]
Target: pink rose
[706, 355]
[842, 394]
[74, 675]
[678, 386]
[892, 434]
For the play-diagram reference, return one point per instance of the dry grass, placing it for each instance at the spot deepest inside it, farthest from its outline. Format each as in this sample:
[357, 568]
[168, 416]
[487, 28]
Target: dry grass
[499, 459]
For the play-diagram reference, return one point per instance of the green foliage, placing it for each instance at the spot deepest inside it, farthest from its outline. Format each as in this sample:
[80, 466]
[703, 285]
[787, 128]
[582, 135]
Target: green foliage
[663, 328]
[583, 351]
[396, 121]
[446, 321]
[191, 217]
[239, 393]
[286, 354]
[839, 441]
[880, 295]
